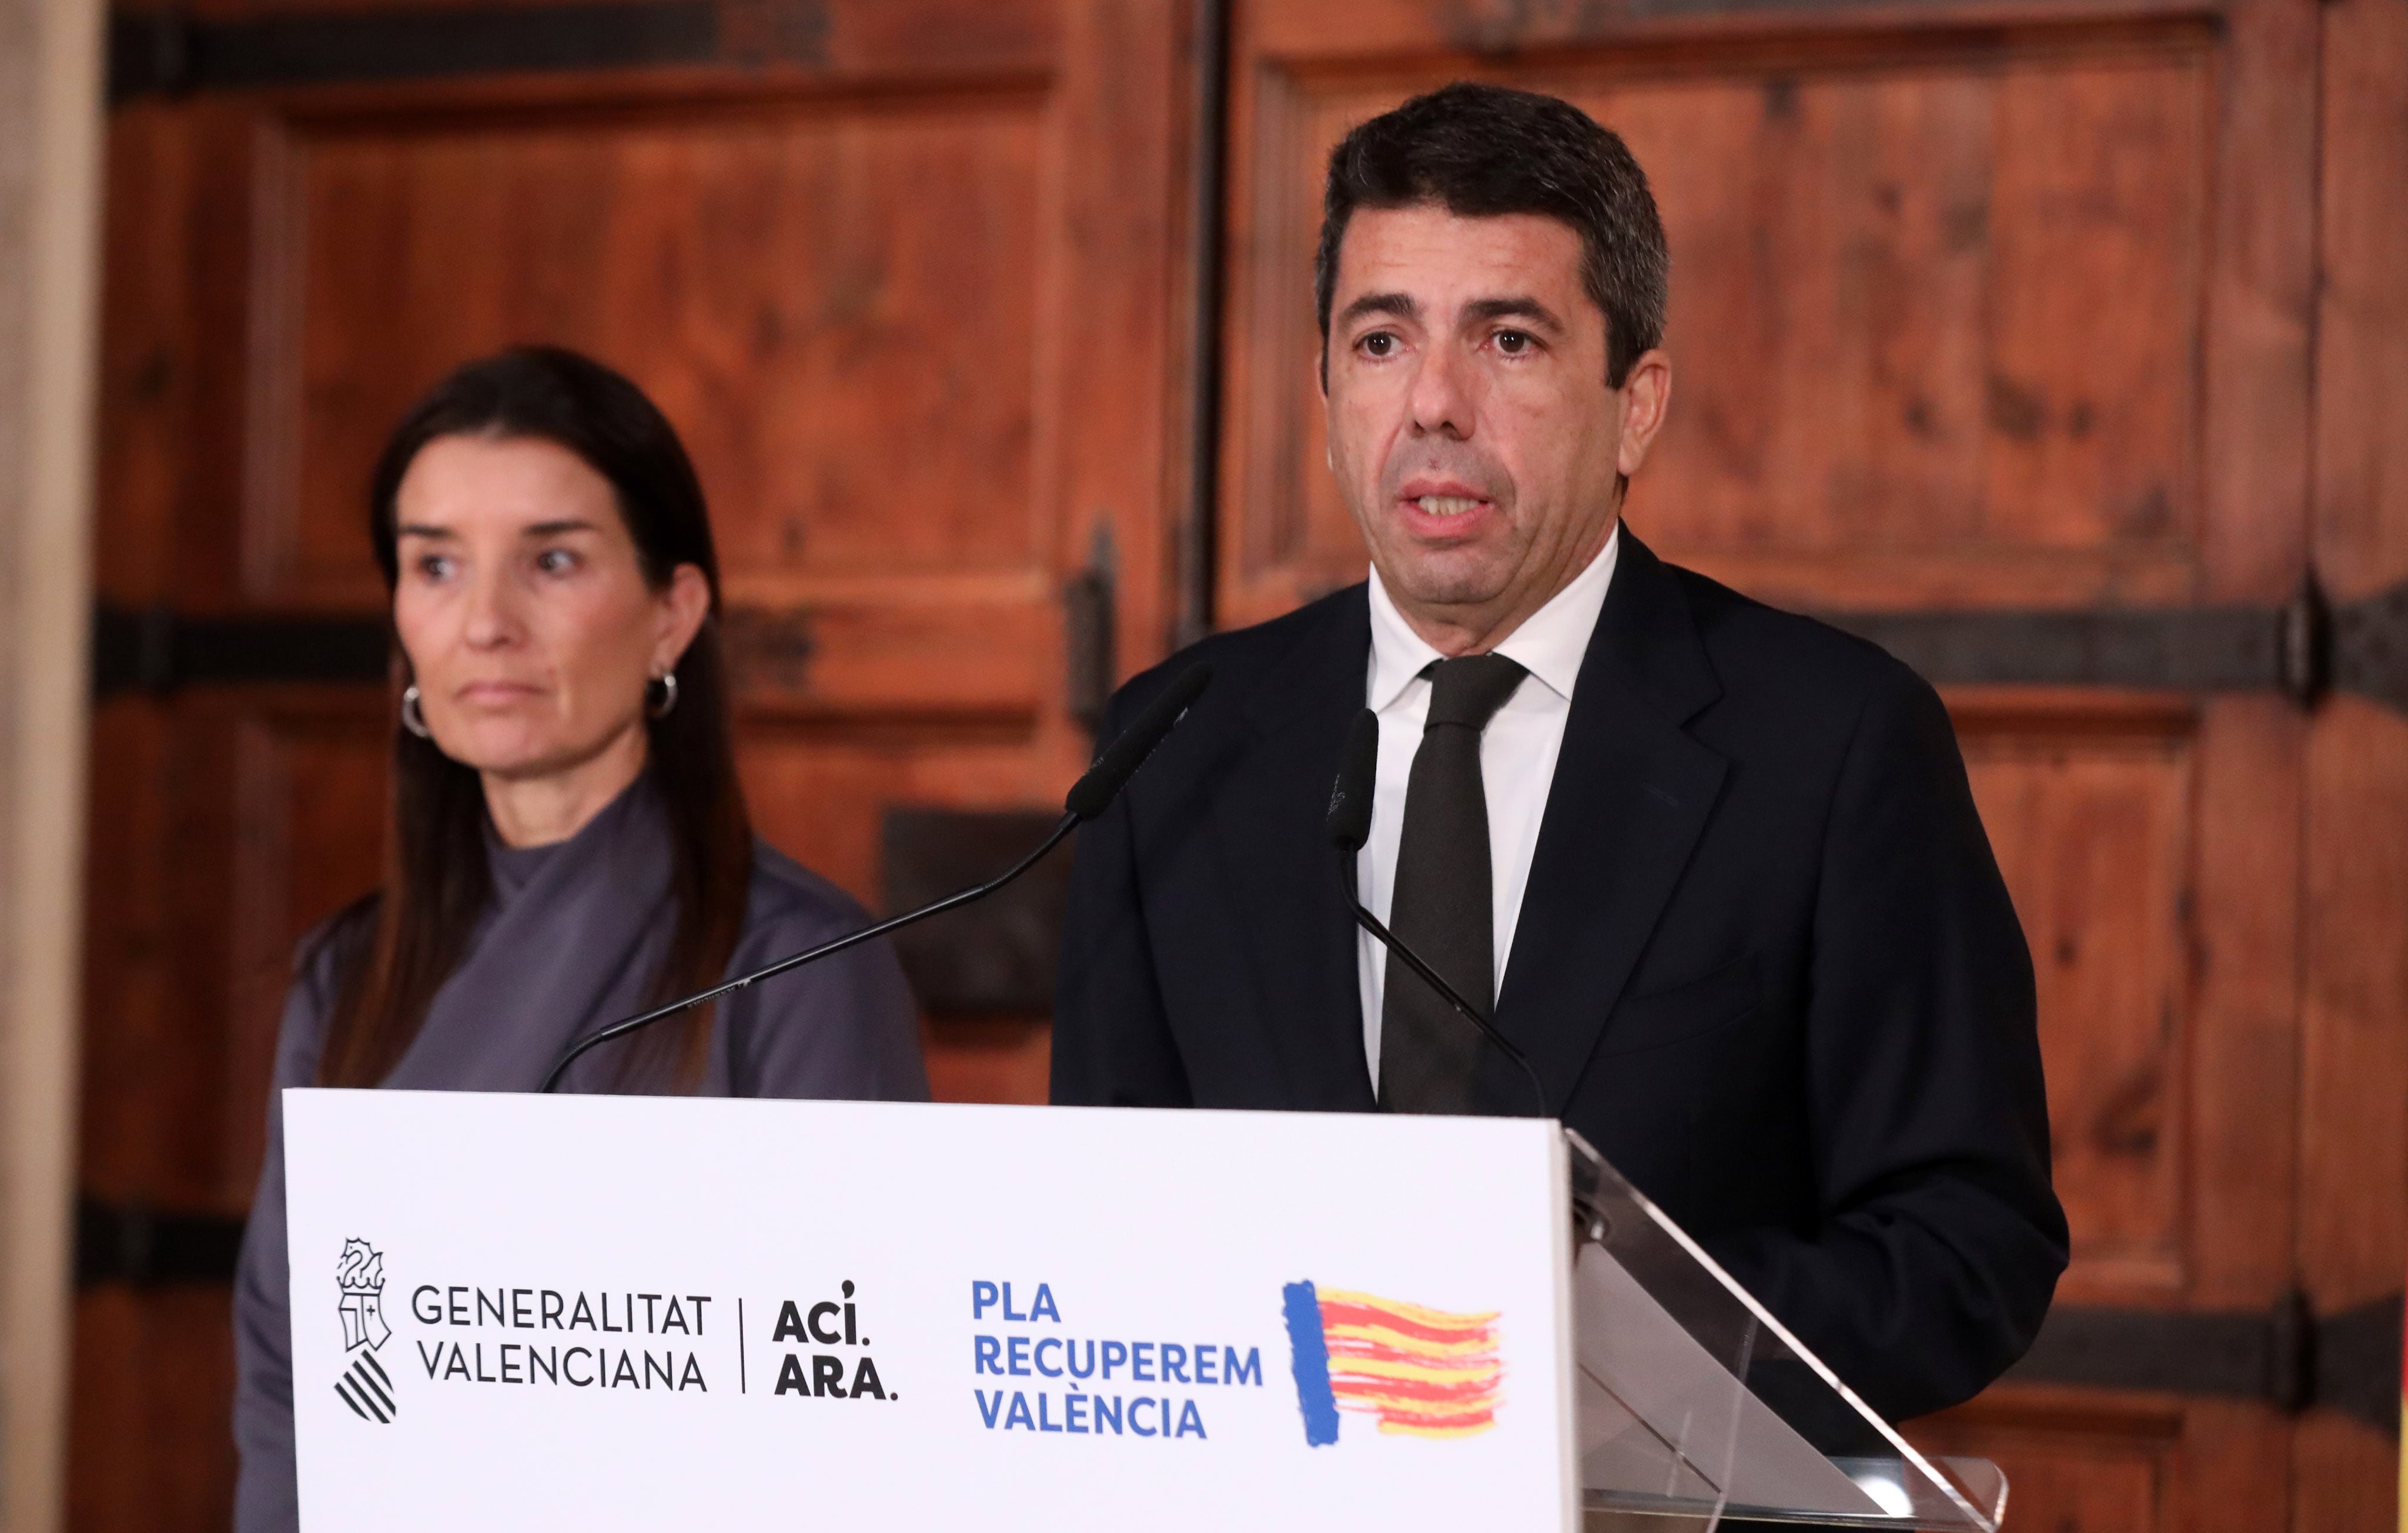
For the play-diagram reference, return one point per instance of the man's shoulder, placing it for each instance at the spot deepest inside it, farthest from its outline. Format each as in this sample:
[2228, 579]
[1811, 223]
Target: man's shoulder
[1755, 648]
[1250, 662]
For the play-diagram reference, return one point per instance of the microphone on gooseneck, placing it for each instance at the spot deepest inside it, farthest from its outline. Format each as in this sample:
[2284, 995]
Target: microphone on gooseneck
[1088, 797]
[1350, 826]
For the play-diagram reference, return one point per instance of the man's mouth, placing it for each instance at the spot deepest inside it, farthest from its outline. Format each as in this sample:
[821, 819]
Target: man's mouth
[1446, 505]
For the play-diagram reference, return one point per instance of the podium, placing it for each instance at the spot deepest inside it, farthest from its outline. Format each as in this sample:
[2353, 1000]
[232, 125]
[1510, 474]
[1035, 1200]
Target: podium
[627, 1312]
[1668, 1347]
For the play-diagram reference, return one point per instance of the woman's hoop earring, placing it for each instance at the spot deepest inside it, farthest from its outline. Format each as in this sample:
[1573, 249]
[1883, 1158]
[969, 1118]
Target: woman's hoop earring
[668, 697]
[412, 718]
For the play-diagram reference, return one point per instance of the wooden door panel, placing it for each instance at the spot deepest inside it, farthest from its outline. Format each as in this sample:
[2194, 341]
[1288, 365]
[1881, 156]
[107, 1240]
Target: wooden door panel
[833, 354]
[2354, 1064]
[252, 820]
[2074, 1463]
[223, 829]
[1940, 310]
[902, 647]
[130, 972]
[171, 426]
[808, 785]
[309, 782]
[148, 1432]
[2090, 813]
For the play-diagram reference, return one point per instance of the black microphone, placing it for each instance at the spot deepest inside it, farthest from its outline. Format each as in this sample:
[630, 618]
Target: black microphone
[1088, 797]
[1350, 826]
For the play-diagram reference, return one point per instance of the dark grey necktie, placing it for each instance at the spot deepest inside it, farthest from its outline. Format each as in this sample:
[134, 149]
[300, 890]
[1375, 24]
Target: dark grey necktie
[1443, 907]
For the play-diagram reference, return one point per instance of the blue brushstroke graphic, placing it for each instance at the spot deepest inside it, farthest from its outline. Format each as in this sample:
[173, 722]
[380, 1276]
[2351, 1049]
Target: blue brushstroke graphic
[1310, 1350]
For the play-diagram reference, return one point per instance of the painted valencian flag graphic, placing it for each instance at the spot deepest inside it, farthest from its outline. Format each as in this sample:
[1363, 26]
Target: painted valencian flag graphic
[1421, 1372]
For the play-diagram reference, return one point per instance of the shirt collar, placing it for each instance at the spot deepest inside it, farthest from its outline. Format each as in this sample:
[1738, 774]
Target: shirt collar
[1550, 644]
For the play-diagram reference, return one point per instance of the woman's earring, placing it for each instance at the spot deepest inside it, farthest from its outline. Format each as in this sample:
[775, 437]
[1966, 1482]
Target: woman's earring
[668, 695]
[412, 718]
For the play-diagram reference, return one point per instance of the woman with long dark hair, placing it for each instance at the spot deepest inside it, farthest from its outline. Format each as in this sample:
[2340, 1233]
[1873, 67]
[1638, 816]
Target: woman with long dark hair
[569, 841]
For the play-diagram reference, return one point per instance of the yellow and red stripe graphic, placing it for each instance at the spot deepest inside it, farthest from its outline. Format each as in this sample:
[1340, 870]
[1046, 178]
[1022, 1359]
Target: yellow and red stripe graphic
[1421, 1372]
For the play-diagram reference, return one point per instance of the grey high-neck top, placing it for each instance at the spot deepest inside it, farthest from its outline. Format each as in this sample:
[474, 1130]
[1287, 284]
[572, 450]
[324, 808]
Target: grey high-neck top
[567, 944]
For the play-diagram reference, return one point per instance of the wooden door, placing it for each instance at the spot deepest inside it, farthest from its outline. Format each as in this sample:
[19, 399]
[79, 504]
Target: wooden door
[1993, 328]
[908, 277]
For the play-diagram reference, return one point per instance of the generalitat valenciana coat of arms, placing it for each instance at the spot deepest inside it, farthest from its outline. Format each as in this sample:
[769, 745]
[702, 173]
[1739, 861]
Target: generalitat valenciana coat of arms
[359, 1279]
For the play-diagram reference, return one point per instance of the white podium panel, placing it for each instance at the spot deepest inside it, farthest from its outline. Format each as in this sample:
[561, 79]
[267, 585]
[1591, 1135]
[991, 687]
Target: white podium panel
[636, 1312]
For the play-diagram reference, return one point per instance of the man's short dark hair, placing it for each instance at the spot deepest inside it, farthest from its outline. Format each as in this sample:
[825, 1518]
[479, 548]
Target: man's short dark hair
[1486, 151]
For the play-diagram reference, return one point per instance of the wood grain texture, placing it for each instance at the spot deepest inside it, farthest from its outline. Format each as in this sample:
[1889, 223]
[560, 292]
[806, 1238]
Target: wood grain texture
[2092, 826]
[832, 354]
[2256, 368]
[2353, 1240]
[2357, 1060]
[2361, 472]
[309, 783]
[2242, 939]
[149, 1442]
[2075, 1461]
[1937, 307]
[989, 1059]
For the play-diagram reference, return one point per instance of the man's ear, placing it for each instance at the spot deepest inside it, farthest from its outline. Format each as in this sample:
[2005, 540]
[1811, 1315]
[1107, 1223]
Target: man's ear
[1646, 395]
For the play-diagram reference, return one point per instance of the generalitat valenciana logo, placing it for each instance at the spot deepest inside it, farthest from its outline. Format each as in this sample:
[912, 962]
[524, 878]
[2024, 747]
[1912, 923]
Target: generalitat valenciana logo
[359, 1280]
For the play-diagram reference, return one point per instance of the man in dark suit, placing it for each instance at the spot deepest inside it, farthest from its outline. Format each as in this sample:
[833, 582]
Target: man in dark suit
[1718, 868]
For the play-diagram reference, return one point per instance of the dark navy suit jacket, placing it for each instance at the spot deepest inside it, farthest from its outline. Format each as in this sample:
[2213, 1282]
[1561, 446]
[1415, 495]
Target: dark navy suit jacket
[1765, 961]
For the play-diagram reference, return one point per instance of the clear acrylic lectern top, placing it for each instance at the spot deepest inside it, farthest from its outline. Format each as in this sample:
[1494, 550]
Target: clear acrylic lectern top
[1696, 1404]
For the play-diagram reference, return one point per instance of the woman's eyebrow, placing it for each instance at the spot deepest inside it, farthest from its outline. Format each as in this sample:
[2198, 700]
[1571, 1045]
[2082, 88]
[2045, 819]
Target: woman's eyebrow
[553, 529]
[420, 529]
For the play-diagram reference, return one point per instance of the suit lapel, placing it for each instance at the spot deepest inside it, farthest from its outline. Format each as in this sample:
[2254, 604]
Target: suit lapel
[1284, 879]
[1631, 795]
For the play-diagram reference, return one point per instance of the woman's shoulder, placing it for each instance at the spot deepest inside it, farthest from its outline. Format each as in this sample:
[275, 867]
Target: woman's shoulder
[788, 897]
[846, 1028]
[321, 961]
[327, 950]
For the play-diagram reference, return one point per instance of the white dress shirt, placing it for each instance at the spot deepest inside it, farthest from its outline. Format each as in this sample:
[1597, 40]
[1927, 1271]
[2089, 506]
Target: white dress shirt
[1517, 757]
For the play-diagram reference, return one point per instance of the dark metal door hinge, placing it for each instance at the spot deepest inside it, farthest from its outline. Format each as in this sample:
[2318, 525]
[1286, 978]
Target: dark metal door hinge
[158, 650]
[137, 1246]
[2285, 1357]
[2302, 649]
[1090, 663]
[168, 50]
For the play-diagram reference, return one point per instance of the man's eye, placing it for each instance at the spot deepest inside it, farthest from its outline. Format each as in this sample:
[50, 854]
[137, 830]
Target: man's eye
[1513, 343]
[1377, 344]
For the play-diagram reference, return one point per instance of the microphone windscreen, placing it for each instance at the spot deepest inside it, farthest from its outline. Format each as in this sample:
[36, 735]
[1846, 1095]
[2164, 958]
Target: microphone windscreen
[1358, 773]
[1093, 792]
